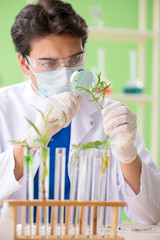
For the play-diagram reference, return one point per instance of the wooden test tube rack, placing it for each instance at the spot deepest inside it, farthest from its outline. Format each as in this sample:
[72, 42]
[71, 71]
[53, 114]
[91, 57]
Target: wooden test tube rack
[67, 204]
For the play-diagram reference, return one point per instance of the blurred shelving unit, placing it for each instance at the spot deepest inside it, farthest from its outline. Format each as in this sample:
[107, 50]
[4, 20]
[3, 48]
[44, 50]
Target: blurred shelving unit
[139, 37]
[128, 35]
[133, 97]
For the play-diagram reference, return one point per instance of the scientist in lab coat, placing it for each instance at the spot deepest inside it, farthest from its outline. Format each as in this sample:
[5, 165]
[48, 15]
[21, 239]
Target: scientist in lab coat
[50, 38]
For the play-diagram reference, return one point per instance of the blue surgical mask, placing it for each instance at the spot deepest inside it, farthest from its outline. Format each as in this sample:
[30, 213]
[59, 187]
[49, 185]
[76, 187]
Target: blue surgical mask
[54, 82]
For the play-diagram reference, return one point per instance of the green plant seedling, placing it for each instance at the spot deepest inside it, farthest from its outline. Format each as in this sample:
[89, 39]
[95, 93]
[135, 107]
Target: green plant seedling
[41, 141]
[98, 91]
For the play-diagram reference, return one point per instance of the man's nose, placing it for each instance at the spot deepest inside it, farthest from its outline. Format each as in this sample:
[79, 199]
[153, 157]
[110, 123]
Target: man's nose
[63, 63]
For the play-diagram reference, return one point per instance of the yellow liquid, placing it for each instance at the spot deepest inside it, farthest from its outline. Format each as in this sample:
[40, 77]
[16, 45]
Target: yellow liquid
[104, 163]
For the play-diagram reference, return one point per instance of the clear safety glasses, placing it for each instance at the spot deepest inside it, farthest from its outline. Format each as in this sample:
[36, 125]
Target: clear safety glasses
[51, 64]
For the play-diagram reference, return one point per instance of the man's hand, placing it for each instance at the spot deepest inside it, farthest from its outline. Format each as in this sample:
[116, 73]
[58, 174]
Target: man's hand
[65, 106]
[120, 122]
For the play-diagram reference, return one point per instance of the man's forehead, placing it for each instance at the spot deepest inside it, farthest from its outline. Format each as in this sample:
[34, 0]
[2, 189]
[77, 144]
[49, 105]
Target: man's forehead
[55, 46]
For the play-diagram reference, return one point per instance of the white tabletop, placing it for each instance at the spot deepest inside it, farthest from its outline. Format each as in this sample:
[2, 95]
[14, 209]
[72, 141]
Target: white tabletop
[128, 231]
[139, 232]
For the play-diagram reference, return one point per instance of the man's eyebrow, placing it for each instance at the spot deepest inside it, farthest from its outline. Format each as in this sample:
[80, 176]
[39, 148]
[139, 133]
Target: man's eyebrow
[77, 53]
[54, 59]
[50, 59]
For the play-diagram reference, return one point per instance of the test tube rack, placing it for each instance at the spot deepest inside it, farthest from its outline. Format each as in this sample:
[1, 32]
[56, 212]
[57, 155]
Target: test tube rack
[68, 204]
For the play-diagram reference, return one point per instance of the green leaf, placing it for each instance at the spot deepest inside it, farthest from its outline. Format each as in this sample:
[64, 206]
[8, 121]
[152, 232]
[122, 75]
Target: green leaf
[23, 143]
[97, 91]
[57, 122]
[47, 117]
[76, 146]
[96, 144]
[49, 112]
[34, 126]
[87, 90]
[42, 114]
[99, 78]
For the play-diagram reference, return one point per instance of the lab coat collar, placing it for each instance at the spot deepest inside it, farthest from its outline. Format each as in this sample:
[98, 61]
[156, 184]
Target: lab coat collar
[33, 98]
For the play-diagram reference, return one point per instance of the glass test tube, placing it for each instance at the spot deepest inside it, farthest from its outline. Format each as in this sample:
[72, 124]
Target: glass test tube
[27, 213]
[103, 192]
[44, 189]
[59, 188]
[89, 191]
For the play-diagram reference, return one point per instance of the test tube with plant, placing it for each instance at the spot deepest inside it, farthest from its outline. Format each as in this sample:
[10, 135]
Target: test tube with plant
[75, 190]
[59, 189]
[28, 189]
[42, 142]
[97, 92]
[28, 184]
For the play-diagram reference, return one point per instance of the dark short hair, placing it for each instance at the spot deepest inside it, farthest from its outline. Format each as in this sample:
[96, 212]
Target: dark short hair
[44, 18]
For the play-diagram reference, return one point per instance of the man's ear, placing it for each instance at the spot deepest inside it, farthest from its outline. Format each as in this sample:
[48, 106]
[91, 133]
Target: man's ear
[23, 64]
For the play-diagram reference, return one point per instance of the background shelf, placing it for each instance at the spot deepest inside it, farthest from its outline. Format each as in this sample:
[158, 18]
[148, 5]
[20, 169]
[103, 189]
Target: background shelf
[139, 37]
[133, 97]
[127, 35]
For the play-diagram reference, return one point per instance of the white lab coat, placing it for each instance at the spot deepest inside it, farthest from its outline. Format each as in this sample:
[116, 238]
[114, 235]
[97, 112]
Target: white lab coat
[16, 103]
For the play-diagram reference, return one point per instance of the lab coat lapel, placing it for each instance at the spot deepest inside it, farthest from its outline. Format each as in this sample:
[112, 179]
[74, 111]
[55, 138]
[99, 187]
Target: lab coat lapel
[82, 122]
[81, 125]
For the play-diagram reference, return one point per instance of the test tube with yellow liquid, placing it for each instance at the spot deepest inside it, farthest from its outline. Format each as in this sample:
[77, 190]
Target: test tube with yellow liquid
[103, 194]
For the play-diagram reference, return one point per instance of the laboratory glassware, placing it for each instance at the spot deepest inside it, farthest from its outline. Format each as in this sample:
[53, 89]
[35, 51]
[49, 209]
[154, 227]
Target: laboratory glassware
[81, 78]
[89, 182]
[59, 190]
[27, 214]
[133, 85]
[76, 192]
[44, 188]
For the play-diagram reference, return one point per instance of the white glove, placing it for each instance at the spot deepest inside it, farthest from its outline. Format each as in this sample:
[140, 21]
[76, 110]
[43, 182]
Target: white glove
[65, 106]
[120, 122]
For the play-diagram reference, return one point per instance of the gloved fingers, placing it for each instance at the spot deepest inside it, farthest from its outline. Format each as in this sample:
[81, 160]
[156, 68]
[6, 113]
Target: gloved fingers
[109, 108]
[68, 103]
[58, 111]
[74, 98]
[59, 107]
[67, 98]
[127, 129]
[116, 112]
[110, 124]
[59, 115]
[71, 105]
[120, 122]
[68, 109]
[71, 102]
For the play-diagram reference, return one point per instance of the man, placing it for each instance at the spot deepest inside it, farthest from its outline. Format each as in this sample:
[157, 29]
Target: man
[50, 40]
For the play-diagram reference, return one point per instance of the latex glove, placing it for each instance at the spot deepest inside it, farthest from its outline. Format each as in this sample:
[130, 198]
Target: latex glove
[120, 122]
[65, 106]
